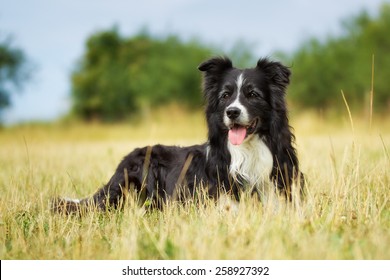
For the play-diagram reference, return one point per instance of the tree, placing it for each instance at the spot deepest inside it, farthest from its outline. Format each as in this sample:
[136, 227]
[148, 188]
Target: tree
[13, 71]
[322, 69]
[100, 85]
[116, 77]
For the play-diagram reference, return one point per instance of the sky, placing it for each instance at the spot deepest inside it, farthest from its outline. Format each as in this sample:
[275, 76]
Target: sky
[53, 33]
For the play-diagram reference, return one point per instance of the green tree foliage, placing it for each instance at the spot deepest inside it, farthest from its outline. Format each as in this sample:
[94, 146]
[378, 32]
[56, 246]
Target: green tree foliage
[322, 69]
[118, 76]
[13, 71]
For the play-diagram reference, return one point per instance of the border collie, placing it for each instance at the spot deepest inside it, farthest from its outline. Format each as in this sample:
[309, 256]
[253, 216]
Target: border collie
[249, 147]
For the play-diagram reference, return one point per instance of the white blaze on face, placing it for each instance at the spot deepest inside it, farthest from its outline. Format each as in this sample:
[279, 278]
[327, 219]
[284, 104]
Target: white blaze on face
[239, 82]
[244, 117]
[237, 134]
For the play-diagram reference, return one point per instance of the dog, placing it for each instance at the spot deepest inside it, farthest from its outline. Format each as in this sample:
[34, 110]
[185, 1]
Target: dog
[250, 145]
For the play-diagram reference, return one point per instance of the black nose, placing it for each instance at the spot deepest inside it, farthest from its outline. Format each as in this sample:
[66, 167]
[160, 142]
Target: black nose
[233, 113]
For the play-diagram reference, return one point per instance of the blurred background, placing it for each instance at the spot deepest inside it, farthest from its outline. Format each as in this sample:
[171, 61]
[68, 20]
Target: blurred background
[118, 60]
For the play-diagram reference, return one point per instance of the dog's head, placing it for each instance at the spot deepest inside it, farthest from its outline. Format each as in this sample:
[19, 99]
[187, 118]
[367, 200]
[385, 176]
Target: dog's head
[241, 102]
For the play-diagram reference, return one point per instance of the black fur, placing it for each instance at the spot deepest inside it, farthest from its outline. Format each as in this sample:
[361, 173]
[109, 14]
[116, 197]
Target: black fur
[159, 173]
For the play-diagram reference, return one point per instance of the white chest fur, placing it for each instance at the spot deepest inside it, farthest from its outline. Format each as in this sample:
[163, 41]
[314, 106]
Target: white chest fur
[252, 161]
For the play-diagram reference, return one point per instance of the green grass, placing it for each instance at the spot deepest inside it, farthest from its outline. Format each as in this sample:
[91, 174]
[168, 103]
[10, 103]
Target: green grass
[346, 214]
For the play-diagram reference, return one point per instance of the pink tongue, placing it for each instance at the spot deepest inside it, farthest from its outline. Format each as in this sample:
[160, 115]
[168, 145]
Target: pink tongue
[237, 135]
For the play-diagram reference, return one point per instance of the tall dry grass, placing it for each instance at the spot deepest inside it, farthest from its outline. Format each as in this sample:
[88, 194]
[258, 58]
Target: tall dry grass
[346, 214]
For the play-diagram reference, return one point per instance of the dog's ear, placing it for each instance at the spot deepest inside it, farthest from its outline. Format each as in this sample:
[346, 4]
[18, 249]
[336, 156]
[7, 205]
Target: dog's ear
[276, 72]
[278, 77]
[215, 65]
[214, 70]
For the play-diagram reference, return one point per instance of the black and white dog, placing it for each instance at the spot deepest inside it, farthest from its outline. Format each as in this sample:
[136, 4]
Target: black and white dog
[249, 147]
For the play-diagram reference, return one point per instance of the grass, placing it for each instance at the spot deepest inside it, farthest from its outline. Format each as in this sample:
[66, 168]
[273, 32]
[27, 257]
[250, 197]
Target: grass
[346, 214]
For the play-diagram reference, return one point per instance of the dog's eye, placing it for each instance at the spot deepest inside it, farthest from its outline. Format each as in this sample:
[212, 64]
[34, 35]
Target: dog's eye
[225, 95]
[134, 168]
[253, 94]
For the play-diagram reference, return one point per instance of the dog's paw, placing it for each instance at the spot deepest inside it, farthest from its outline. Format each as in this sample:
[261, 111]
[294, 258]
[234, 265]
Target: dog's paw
[227, 205]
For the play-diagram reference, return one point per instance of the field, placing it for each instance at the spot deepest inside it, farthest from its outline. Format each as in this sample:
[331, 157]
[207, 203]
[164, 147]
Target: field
[346, 213]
